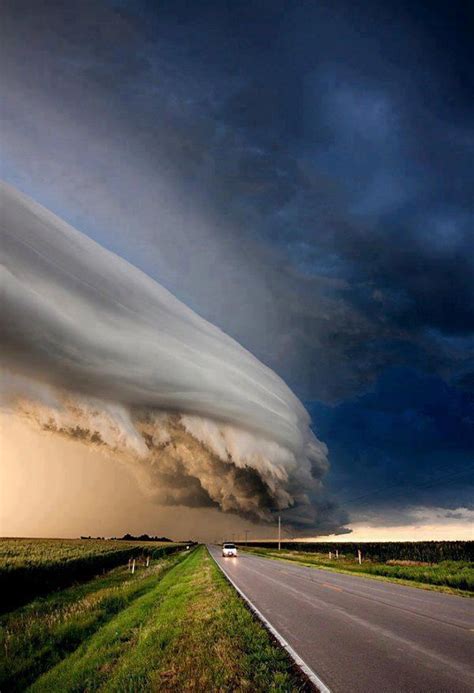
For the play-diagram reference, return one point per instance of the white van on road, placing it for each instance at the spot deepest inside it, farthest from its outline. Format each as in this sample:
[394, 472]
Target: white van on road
[229, 550]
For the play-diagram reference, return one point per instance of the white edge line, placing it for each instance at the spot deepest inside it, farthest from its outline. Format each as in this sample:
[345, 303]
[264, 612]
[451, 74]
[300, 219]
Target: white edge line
[312, 676]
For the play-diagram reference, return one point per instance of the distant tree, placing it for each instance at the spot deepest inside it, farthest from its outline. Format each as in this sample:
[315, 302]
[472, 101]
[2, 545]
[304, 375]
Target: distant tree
[144, 537]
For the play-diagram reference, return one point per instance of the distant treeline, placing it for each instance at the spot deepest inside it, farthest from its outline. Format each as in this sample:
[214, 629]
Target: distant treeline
[130, 537]
[144, 537]
[426, 551]
[24, 577]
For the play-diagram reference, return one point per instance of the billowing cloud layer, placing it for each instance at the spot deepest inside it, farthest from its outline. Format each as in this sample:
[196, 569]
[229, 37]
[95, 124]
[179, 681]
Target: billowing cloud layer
[96, 350]
[301, 176]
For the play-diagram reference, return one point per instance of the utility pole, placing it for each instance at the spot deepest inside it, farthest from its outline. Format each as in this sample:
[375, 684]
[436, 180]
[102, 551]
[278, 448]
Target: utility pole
[279, 532]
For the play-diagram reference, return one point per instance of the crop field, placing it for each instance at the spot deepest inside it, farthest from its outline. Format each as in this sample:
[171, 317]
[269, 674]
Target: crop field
[31, 567]
[30, 552]
[382, 551]
[445, 575]
[175, 624]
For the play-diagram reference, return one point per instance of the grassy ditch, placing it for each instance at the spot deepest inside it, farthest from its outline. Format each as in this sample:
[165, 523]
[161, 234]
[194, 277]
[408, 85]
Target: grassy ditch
[447, 576]
[189, 632]
[32, 567]
[39, 635]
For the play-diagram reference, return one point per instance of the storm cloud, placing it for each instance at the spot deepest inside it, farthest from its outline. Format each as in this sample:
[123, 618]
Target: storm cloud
[97, 351]
[301, 177]
[407, 443]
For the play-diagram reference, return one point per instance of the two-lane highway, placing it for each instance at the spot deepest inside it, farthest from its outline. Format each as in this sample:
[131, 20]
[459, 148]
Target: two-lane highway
[359, 634]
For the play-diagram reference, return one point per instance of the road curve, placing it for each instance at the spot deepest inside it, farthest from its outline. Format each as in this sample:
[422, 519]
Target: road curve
[362, 635]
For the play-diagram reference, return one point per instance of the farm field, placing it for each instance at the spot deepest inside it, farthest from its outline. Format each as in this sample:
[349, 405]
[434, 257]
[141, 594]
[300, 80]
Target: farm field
[174, 625]
[444, 575]
[381, 551]
[31, 567]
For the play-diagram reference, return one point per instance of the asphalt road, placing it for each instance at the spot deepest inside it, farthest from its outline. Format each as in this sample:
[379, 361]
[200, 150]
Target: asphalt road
[359, 634]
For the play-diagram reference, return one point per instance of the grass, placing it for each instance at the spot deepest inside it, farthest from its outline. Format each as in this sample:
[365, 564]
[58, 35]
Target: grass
[447, 576]
[189, 631]
[36, 637]
[30, 567]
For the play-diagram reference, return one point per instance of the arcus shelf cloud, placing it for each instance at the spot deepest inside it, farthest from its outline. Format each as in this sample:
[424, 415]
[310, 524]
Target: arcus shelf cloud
[96, 350]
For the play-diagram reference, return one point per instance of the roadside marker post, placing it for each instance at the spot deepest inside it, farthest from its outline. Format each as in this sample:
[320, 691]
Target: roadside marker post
[359, 556]
[133, 566]
[147, 561]
[279, 532]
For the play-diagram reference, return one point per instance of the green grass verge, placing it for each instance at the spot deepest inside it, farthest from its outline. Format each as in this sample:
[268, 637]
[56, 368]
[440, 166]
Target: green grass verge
[190, 632]
[36, 637]
[453, 577]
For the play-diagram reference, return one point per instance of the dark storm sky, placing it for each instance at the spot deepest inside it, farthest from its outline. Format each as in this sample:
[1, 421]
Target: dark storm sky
[301, 174]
